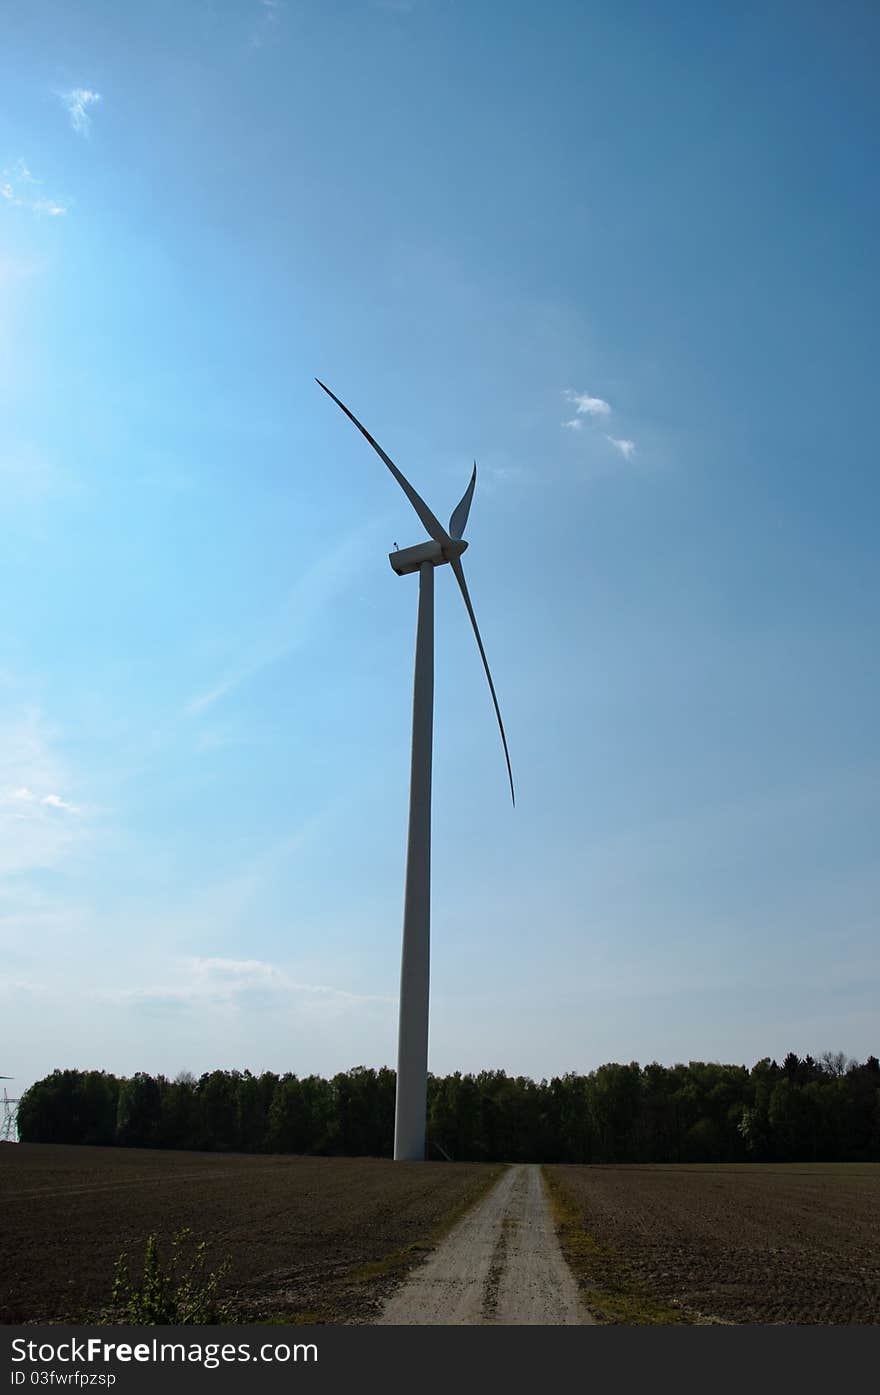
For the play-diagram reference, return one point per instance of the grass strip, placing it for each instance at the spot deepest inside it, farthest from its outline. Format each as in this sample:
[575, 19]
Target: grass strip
[399, 1262]
[361, 1291]
[611, 1291]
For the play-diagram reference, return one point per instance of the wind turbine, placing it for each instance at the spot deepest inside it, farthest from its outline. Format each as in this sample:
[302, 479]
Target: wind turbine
[412, 1042]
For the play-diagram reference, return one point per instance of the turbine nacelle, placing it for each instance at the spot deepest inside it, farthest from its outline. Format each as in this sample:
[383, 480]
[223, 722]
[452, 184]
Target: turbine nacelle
[409, 559]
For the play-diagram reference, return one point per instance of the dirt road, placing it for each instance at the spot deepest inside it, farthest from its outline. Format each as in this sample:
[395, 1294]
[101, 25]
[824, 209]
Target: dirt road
[501, 1264]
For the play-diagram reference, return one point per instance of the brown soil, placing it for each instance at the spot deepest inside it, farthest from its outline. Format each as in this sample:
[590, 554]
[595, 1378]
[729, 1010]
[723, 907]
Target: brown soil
[310, 1239]
[792, 1243]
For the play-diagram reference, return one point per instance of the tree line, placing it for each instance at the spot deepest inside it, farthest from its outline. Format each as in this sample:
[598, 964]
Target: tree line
[803, 1110]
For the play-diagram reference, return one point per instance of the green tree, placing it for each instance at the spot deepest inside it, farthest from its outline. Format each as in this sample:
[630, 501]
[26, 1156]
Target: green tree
[138, 1113]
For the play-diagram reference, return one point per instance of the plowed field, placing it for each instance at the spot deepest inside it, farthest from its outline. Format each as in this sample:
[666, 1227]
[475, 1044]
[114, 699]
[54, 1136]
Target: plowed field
[315, 1239]
[794, 1243]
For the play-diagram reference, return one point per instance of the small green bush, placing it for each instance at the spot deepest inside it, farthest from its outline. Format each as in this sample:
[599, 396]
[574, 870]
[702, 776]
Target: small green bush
[174, 1293]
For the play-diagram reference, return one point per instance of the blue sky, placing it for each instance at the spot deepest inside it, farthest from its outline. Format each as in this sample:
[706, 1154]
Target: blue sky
[625, 257]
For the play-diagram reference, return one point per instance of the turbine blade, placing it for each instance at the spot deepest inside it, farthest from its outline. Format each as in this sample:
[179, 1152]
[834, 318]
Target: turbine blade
[455, 564]
[429, 522]
[458, 521]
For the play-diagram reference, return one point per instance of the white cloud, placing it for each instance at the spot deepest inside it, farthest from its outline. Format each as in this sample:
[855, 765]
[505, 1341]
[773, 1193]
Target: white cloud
[56, 802]
[38, 826]
[585, 405]
[223, 981]
[627, 448]
[235, 973]
[23, 795]
[18, 189]
[77, 103]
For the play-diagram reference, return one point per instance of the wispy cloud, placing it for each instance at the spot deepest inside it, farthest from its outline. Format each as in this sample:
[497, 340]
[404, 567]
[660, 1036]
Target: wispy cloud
[292, 626]
[587, 405]
[19, 189]
[269, 15]
[224, 981]
[627, 448]
[207, 699]
[55, 801]
[38, 825]
[77, 102]
[493, 474]
[23, 796]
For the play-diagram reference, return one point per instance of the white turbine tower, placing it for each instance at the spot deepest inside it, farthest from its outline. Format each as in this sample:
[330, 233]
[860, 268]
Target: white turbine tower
[412, 1044]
